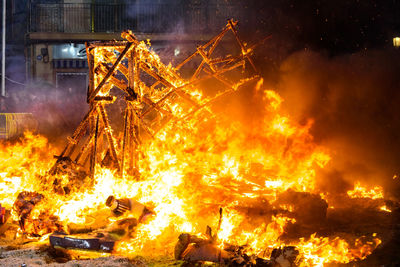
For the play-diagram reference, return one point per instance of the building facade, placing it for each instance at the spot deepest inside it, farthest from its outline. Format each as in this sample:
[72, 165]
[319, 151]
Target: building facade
[57, 31]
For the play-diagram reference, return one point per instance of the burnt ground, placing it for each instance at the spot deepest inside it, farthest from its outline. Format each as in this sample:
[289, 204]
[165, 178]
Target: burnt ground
[44, 255]
[33, 255]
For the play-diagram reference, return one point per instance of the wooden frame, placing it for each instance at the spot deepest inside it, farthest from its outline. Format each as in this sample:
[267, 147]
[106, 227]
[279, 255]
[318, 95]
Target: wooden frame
[122, 64]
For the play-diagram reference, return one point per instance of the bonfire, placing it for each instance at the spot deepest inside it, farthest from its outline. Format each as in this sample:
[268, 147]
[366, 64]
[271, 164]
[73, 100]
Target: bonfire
[159, 167]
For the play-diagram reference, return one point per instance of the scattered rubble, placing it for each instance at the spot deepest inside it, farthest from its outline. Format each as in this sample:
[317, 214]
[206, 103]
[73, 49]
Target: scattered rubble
[193, 249]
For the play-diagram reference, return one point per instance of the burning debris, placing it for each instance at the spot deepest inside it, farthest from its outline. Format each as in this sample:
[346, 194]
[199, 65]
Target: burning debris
[103, 240]
[76, 177]
[134, 208]
[34, 223]
[96, 243]
[135, 180]
[193, 249]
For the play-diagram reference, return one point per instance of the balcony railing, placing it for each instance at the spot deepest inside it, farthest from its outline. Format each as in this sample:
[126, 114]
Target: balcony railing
[140, 17]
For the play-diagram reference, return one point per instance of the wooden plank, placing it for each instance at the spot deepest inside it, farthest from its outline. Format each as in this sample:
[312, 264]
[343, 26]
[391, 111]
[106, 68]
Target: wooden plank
[125, 139]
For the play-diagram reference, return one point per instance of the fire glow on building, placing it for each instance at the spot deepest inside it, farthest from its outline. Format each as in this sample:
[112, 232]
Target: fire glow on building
[157, 168]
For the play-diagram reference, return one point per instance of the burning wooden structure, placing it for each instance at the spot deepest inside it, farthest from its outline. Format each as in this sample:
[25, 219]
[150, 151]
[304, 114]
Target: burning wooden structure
[155, 94]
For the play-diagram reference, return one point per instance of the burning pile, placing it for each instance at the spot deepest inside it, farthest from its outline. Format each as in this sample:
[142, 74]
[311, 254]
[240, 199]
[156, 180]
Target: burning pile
[152, 182]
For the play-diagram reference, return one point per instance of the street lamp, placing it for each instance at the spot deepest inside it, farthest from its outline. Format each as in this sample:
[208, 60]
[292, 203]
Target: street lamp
[396, 42]
[3, 53]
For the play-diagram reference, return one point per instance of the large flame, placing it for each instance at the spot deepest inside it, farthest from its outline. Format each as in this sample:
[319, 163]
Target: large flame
[191, 169]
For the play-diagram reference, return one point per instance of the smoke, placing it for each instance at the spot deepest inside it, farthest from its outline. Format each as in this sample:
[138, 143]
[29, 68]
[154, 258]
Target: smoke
[57, 110]
[352, 98]
[354, 101]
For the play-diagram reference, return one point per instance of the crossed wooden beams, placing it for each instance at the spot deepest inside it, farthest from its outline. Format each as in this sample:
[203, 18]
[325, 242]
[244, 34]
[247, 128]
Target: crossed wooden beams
[146, 82]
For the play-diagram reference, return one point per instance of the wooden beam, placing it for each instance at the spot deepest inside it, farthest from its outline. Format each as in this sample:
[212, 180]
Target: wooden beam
[110, 72]
[244, 52]
[94, 150]
[108, 132]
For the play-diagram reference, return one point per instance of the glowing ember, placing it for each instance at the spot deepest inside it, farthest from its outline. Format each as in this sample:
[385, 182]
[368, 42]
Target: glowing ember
[384, 208]
[362, 192]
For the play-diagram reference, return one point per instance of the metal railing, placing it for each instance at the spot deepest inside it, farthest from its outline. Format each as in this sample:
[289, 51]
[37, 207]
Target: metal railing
[140, 17]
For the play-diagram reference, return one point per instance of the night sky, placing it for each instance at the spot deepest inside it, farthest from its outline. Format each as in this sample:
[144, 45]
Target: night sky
[340, 26]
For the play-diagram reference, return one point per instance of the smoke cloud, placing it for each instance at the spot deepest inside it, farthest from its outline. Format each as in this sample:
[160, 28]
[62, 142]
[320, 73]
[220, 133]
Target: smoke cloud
[354, 101]
[57, 110]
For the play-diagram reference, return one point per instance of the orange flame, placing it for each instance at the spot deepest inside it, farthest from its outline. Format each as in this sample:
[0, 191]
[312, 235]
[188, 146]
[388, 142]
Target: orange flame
[188, 171]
